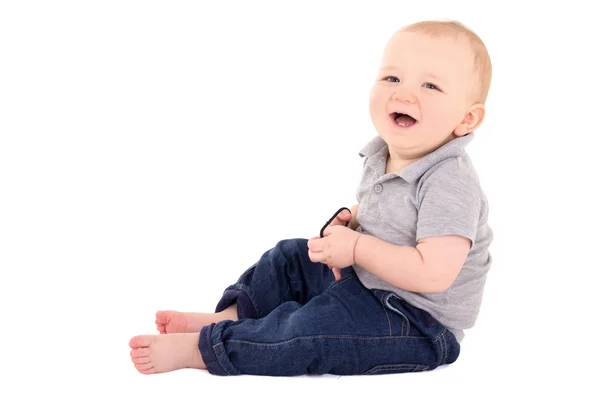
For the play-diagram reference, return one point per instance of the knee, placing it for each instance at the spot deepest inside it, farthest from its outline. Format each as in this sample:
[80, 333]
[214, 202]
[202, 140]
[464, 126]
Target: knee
[292, 247]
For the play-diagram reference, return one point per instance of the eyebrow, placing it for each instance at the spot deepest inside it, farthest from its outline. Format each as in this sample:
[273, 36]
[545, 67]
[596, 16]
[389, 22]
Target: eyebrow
[434, 76]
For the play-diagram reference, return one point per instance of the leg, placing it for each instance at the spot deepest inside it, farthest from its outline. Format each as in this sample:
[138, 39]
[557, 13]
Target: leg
[347, 330]
[189, 322]
[283, 273]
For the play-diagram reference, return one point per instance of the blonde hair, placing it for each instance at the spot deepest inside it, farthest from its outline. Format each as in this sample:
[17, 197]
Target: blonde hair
[482, 62]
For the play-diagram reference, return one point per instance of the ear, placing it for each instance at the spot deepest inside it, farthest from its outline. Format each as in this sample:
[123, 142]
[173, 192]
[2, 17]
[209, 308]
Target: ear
[471, 121]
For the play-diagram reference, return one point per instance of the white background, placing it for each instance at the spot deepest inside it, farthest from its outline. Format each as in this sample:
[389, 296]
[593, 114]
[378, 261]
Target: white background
[151, 151]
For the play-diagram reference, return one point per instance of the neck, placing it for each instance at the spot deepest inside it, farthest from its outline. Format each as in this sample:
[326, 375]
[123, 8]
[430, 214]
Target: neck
[395, 163]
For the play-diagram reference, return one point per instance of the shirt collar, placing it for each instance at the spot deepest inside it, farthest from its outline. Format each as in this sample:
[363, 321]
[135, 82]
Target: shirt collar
[378, 150]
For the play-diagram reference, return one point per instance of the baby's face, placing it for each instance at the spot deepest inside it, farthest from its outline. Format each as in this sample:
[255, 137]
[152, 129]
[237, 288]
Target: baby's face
[423, 92]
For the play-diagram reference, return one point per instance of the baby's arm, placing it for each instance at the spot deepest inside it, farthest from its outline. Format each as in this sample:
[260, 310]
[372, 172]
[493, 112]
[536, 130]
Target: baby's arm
[429, 267]
[449, 209]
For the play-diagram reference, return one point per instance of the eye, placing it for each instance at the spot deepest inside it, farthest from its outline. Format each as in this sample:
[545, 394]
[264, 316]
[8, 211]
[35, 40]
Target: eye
[430, 86]
[391, 79]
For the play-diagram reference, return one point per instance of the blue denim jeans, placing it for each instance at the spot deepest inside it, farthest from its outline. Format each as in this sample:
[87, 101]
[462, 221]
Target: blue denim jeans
[295, 319]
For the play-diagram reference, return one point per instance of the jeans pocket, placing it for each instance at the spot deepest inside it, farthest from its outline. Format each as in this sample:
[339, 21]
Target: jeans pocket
[396, 369]
[394, 303]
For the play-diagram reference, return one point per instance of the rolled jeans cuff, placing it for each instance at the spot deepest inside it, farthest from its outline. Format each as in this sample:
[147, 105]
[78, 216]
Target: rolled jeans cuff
[213, 351]
[242, 295]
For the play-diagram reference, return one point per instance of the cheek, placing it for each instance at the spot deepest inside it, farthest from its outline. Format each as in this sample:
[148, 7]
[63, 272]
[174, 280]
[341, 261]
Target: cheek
[376, 101]
[444, 113]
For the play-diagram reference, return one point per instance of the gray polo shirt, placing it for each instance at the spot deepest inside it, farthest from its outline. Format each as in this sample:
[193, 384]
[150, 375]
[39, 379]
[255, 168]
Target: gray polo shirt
[436, 195]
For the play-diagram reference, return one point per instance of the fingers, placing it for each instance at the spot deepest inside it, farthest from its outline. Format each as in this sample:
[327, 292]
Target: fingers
[345, 215]
[316, 256]
[315, 249]
[316, 244]
[331, 229]
[341, 218]
[337, 273]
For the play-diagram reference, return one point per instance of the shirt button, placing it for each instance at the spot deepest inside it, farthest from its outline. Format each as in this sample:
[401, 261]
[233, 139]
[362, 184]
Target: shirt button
[378, 188]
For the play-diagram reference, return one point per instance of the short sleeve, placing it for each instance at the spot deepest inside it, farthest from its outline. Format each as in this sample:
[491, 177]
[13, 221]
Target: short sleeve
[450, 201]
[361, 187]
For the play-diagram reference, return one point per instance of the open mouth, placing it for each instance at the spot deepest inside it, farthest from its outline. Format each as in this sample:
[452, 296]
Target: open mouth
[403, 120]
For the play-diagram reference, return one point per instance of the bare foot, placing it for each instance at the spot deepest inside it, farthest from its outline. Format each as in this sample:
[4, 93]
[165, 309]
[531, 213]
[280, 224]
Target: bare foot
[153, 354]
[188, 322]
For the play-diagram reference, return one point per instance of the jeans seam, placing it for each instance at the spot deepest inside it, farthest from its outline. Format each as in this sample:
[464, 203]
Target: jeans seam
[388, 318]
[443, 345]
[439, 336]
[445, 349]
[347, 337]
[338, 283]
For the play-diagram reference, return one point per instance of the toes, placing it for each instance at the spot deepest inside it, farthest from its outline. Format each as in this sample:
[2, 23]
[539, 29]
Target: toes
[145, 368]
[141, 360]
[140, 341]
[160, 327]
[163, 316]
[141, 352]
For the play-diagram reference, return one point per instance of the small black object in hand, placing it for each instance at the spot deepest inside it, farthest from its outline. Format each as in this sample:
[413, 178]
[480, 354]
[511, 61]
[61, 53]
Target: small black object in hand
[332, 218]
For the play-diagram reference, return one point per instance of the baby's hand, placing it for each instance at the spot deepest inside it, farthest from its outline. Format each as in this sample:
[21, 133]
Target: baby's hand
[336, 249]
[341, 219]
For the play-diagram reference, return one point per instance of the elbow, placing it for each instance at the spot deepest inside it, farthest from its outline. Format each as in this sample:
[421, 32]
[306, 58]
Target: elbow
[437, 283]
[439, 275]
[433, 277]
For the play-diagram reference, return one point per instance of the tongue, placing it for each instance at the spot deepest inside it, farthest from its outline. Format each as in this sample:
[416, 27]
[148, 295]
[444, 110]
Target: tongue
[405, 120]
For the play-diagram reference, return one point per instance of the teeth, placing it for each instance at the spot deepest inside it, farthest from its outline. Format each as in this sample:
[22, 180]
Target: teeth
[404, 120]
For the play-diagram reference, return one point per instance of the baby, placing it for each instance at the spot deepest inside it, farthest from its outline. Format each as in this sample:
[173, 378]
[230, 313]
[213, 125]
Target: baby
[394, 290]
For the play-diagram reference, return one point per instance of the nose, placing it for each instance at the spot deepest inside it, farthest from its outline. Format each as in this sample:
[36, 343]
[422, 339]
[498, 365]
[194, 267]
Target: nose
[405, 96]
